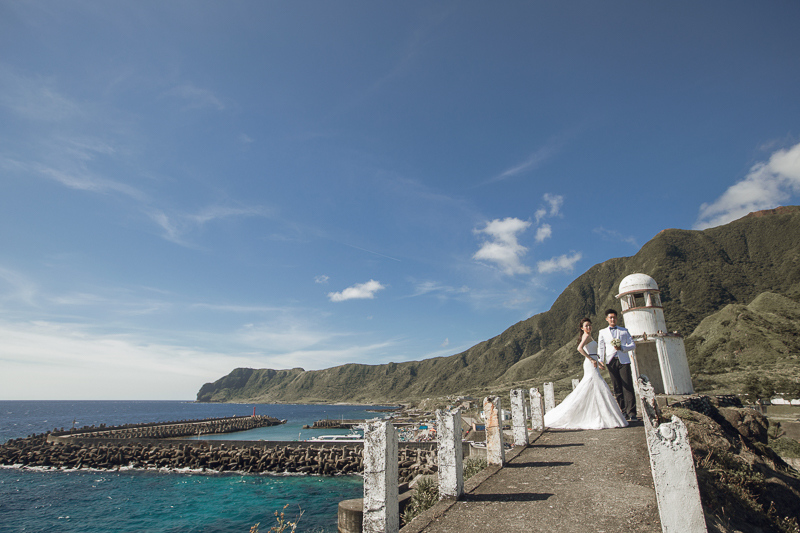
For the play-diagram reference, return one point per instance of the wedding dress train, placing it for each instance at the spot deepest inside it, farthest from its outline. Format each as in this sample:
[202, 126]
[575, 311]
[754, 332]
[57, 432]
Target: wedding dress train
[590, 406]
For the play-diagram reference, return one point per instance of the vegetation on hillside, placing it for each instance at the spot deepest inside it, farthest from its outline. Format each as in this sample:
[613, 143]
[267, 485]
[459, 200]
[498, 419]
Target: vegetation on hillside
[752, 349]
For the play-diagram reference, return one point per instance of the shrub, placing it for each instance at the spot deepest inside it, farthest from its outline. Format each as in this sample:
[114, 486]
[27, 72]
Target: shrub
[426, 494]
[472, 466]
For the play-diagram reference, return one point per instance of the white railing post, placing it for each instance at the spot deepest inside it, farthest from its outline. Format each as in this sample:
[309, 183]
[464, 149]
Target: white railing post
[537, 410]
[671, 463]
[519, 424]
[451, 453]
[549, 397]
[495, 449]
[381, 509]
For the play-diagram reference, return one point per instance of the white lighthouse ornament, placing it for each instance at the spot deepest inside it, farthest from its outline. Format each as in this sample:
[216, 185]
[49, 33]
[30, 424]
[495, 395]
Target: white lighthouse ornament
[659, 355]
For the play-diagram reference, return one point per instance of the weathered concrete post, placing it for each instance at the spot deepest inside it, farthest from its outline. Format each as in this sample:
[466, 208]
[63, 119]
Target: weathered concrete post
[519, 424]
[537, 410]
[674, 477]
[549, 397]
[575, 383]
[495, 450]
[451, 453]
[381, 509]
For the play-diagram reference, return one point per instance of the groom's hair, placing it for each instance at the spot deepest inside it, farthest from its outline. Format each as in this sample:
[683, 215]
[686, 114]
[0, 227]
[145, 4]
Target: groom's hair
[611, 312]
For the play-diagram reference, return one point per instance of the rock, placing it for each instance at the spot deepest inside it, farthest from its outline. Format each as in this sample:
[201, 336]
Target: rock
[748, 422]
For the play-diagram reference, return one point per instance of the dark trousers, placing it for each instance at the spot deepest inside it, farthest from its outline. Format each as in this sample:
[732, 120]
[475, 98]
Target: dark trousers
[622, 382]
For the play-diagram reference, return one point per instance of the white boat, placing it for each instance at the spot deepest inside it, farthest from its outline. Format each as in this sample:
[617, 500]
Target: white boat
[352, 437]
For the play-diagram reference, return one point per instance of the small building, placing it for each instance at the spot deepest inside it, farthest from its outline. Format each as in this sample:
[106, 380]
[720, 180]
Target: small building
[659, 355]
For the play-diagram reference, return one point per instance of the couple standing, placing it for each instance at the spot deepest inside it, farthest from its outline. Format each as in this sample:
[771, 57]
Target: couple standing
[591, 405]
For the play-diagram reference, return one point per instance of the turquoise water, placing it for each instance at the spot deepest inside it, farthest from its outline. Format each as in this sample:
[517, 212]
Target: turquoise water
[166, 502]
[131, 501]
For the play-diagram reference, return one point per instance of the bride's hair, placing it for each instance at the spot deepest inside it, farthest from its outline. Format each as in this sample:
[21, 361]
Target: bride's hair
[582, 322]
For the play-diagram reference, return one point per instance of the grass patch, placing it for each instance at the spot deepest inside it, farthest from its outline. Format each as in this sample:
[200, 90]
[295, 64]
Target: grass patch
[472, 466]
[785, 447]
[426, 494]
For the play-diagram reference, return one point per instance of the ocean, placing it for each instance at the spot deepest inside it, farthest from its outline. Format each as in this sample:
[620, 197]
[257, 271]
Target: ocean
[134, 501]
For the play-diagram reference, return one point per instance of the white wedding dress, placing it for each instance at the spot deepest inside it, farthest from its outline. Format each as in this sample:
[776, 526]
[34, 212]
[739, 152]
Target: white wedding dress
[590, 406]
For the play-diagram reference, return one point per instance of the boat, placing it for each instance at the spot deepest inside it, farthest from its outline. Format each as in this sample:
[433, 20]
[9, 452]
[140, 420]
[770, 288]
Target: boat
[350, 437]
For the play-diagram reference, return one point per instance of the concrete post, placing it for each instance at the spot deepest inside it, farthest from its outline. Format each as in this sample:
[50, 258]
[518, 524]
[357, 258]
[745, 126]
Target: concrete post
[674, 477]
[537, 410]
[549, 397]
[575, 383]
[518, 422]
[381, 509]
[495, 450]
[451, 454]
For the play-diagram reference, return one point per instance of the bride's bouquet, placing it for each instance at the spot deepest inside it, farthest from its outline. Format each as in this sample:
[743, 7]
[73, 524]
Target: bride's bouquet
[616, 343]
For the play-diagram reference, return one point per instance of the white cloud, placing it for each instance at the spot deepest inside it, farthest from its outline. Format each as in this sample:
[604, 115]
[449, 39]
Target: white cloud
[68, 164]
[45, 360]
[320, 358]
[176, 226]
[534, 160]
[35, 99]
[503, 249]
[553, 207]
[434, 287]
[215, 212]
[446, 343]
[281, 336]
[322, 279]
[17, 287]
[359, 291]
[766, 186]
[545, 231]
[229, 308]
[562, 263]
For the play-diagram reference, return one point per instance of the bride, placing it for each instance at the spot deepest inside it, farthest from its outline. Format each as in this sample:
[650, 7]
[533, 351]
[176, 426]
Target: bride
[591, 405]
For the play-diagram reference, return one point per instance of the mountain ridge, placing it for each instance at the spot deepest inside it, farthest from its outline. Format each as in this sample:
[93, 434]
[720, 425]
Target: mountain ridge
[698, 273]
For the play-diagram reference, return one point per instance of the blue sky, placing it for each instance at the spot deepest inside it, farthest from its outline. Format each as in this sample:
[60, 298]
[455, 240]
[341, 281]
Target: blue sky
[191, 187]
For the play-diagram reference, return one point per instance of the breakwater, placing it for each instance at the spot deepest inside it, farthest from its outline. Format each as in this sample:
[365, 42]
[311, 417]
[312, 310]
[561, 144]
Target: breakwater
[335, 424]
[251, 457]
[157, 446]
[167, 430]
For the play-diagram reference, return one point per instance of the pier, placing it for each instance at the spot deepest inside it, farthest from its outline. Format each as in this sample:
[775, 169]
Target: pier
[565, 480]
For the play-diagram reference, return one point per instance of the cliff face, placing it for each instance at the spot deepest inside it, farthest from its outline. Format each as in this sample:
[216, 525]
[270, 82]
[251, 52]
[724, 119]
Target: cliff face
[698, 272]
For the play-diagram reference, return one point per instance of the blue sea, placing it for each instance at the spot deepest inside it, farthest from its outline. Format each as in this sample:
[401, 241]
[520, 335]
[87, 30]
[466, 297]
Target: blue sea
[132, 501]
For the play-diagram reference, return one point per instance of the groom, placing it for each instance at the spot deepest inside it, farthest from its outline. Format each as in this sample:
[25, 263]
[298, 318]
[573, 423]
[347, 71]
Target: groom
[613, 345]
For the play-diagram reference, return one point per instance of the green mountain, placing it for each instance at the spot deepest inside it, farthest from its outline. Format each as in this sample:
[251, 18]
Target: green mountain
[746, 345]
[699, 274]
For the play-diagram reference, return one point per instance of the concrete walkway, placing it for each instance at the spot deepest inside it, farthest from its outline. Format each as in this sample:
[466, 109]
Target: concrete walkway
[565, 481]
